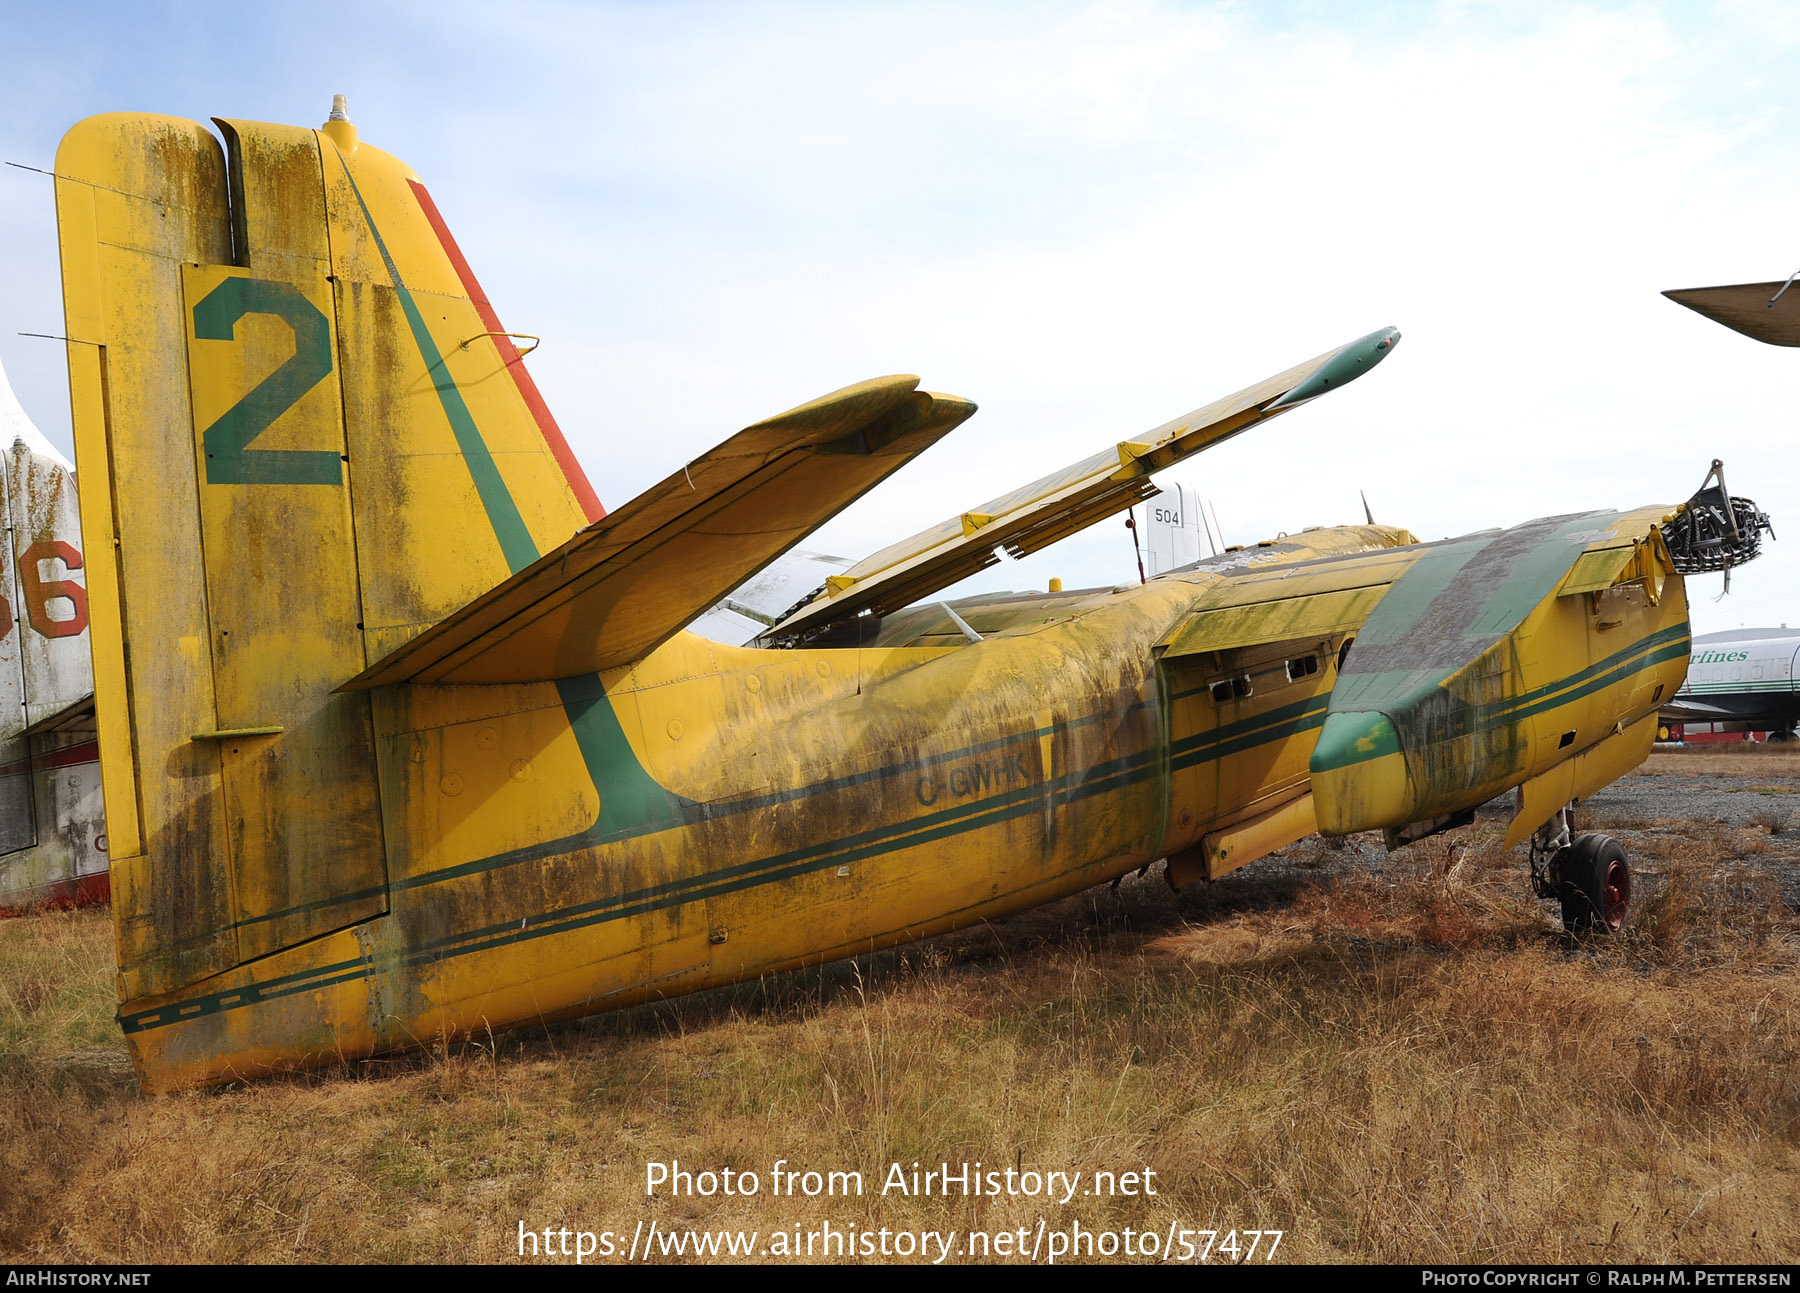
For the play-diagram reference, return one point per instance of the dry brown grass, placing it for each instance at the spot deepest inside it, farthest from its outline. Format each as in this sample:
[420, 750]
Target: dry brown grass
[1775, 761]
[1404, 1064]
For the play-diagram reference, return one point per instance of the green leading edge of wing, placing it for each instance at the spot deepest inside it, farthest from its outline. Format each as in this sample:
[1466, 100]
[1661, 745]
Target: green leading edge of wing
[1342, 366]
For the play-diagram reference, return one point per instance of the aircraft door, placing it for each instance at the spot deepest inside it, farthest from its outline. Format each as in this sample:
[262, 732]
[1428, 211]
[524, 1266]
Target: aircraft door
[1191, 737]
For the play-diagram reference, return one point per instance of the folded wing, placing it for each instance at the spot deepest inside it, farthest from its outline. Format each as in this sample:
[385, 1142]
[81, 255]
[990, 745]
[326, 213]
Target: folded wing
[633, 579]
[1069, 500]
[1769, 312]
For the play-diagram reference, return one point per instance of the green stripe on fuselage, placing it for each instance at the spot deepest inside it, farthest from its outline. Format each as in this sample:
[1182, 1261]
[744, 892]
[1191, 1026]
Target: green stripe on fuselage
[1276, 725]
[1665, 645]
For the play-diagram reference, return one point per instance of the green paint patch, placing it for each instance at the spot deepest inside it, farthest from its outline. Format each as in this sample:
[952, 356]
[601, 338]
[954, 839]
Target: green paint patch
[1406, 601]
[1348, 739]
[1537, 574]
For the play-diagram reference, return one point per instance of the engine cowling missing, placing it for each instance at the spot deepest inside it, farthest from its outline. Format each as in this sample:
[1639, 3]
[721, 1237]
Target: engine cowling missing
[1713, 530]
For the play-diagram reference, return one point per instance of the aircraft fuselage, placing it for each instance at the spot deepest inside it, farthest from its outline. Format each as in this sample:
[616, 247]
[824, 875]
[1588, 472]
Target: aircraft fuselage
[717, 813]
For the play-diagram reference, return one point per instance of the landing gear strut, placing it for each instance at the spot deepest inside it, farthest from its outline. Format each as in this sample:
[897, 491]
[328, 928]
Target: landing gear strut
[1588, 874]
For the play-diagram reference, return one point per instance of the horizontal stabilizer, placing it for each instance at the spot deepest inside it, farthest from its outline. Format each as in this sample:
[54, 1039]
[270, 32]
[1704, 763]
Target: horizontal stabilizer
[633, 579]
[1749, 308]
[1072, 499]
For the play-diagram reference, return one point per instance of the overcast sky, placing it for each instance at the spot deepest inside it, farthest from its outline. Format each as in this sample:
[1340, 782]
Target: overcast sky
[1088, 218]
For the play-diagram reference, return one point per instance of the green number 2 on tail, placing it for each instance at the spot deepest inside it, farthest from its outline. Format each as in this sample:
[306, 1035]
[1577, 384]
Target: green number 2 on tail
[229, 459]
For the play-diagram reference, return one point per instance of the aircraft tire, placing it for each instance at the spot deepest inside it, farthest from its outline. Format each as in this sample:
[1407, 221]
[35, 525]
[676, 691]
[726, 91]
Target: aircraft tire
[1596, 885]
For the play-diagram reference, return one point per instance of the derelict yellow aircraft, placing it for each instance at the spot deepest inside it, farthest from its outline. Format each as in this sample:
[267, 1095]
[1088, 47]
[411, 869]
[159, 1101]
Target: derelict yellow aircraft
[389, 755]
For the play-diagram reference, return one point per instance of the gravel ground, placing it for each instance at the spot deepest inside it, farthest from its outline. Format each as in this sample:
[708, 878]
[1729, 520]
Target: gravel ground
[1749, 807]
[1739, 801]
[1755, 812]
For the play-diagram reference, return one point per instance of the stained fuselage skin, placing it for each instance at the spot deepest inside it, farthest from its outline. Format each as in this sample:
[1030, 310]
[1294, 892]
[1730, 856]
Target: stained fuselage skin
[327, 488]
[717, 813]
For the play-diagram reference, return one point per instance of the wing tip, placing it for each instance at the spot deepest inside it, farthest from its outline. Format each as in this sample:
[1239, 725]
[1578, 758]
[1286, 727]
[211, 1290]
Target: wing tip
[865, 399]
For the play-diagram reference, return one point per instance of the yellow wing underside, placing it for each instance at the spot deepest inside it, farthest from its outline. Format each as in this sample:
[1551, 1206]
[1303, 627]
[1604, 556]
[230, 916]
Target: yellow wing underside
[1055, 506]
[625, 584]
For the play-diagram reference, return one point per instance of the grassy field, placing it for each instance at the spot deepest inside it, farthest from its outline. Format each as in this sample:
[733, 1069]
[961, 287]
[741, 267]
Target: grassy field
[1389, 1059]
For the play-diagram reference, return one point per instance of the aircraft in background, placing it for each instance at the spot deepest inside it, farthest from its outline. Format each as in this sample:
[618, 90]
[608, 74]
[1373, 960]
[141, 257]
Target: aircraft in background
[759, 602]
[1171, 529]
[52, 819]
[403, 737]
[1744, 680]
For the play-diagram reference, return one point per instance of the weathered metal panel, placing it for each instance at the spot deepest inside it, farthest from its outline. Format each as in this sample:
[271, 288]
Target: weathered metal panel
[52, 823]
[17, 827]
[12, 623]
[457, 484]
[304, 832]
[137, 199]
[410, 480]
[1598, 569]
[66, 861]
[304, 825]
[1289, 619]
[51, 583]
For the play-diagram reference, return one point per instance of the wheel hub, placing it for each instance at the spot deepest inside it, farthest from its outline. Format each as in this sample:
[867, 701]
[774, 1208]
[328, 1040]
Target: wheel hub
[1616, 895]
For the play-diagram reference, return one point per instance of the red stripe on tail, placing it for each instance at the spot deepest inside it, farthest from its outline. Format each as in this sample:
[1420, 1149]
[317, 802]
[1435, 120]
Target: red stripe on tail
[509, 355]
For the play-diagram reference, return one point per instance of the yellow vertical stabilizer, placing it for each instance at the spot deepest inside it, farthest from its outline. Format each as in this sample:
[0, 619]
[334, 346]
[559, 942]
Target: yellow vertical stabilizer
[307, 438]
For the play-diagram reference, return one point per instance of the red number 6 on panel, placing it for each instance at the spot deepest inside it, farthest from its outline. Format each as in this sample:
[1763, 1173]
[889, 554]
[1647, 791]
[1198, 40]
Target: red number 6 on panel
[40, 592]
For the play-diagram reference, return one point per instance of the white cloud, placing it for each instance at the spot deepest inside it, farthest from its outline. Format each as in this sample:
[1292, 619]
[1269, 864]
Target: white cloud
[1089, 218]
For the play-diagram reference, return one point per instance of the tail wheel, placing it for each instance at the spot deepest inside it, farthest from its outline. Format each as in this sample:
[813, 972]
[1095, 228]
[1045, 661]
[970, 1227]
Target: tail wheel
[1596, 884]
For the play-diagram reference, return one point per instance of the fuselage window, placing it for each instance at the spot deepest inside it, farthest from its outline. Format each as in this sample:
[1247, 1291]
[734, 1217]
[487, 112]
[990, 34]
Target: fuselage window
[1237, 688]
[1303, 667]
